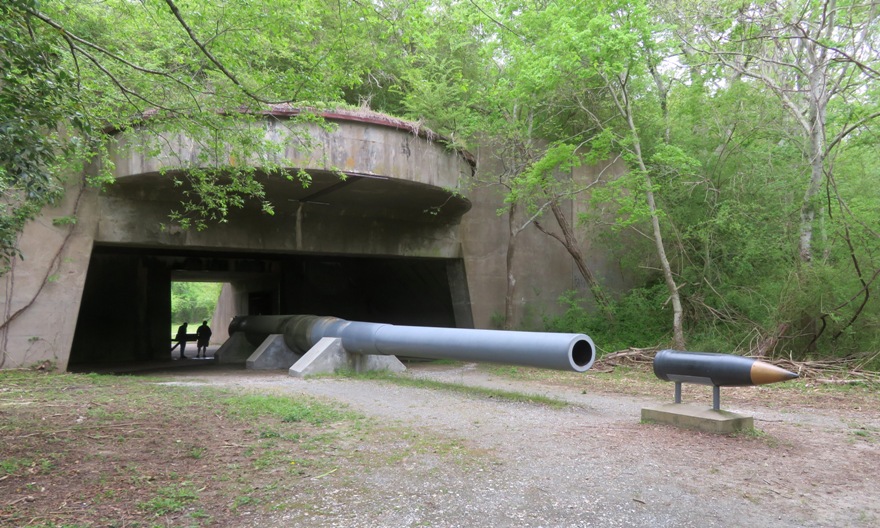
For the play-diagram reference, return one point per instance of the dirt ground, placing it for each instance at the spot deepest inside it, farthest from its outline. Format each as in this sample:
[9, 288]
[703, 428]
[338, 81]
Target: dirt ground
[423, 456]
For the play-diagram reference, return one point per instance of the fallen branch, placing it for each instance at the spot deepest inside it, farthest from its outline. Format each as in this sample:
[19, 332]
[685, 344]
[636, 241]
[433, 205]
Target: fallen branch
[81, 427]
[325, 474]
[26, 498]
[840, 371]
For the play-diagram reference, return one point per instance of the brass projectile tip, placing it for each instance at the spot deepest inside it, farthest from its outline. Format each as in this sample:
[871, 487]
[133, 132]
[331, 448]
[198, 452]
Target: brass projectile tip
[762, 373]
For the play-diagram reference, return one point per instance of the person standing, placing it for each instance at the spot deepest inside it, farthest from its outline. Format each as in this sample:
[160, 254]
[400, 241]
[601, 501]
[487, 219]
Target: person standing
[203, 337]
[181, 339]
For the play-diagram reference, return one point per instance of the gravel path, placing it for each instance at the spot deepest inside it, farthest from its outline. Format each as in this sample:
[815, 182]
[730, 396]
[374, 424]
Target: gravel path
[589, 464]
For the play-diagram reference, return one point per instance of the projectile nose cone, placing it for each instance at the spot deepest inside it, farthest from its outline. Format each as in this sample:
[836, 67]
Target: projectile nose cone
[763, 373]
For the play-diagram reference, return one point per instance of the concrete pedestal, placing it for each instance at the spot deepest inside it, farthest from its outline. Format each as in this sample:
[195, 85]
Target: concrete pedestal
[272, 354]
[328, 356]
[700, 418]
[236, 349]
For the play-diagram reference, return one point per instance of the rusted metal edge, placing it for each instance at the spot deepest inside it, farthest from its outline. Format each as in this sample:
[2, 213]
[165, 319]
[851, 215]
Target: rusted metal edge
[359, 116]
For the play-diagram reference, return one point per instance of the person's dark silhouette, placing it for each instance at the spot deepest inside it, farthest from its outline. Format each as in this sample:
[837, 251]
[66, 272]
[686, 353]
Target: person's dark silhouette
[203, 337]
[181, 339]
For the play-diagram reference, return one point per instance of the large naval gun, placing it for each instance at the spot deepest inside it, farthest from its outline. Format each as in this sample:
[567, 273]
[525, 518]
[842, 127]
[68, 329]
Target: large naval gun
[302, 335]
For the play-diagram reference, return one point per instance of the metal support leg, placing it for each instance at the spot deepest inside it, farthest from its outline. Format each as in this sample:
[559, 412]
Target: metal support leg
[677, 392]
[716, 397]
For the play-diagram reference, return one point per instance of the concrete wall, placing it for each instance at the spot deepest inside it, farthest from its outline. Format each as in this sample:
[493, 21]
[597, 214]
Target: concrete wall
[395, 175]
[41, 294]
[395, 215]
[542, 268]
[387, 148]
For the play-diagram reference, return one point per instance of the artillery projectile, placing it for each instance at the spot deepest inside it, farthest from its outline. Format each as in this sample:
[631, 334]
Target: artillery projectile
[717, 370]
[721, 370]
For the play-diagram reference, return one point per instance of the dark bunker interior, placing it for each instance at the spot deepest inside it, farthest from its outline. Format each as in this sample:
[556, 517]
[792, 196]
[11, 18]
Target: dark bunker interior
[125, 311]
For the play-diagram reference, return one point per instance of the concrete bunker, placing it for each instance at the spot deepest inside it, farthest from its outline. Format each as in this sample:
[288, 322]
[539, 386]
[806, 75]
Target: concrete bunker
[382, 233]
[125, 313]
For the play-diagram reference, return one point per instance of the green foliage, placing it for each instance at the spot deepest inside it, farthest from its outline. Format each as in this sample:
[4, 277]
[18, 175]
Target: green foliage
[194, 302]
[639, 319]
[64, 220]
[42, 123]
[170, 499]
[285, 409]
[538, 182]
[724, 155]
[155, 70]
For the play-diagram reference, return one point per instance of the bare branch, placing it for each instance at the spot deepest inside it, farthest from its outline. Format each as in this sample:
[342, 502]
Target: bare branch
[229, 75]
[71, 37]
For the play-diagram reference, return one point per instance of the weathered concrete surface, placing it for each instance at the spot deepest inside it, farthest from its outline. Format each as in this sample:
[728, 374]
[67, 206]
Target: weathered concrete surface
[541, 267]
[396, 201]
[236, 349]
[314, 229]
[229, 305]
[41, 293]
[272, 354]
[355, 145]
[328, 356]
[697, 417]
[402, 201]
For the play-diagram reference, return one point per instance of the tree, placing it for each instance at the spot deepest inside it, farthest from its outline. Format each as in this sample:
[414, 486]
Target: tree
[543, 185]
[478, 94]
[43, 127]
[808, 55]
[75, 69]
[592, 65]
[819, 60]
[193, 301]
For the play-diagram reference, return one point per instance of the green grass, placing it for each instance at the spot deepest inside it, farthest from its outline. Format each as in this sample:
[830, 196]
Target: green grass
[12, 466]
[286, 409]
[171, 499]
[483, 392]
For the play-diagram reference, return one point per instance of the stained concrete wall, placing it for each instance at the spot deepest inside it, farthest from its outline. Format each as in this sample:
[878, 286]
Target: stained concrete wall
[42, 292]
[395, 175]
[357, 144]
[395, 204]
[316, 229]
[542, 268]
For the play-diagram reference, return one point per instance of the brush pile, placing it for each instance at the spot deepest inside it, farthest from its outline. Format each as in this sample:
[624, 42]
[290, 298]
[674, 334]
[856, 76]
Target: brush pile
[848, 370]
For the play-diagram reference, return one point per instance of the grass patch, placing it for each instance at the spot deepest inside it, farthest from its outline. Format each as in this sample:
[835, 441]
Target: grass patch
[156, 454]
[12, 466]
[483, 392]
[864, 432]
[286, 409]
[170, 499]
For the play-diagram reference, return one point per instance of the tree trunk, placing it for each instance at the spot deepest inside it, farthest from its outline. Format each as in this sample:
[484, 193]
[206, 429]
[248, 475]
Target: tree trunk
[570, 243]
[512, 233]
[816, 152]
[677, 311]
[623, 104]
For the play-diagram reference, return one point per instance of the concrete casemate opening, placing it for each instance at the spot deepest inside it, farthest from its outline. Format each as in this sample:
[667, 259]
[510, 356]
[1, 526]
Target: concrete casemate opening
[125, 312]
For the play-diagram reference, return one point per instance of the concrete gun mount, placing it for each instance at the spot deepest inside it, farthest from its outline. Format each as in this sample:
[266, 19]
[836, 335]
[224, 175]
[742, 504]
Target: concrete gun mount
[316, 344]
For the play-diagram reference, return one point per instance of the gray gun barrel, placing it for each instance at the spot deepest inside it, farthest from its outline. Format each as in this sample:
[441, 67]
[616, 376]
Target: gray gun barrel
[533, 349]
[720, 370]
